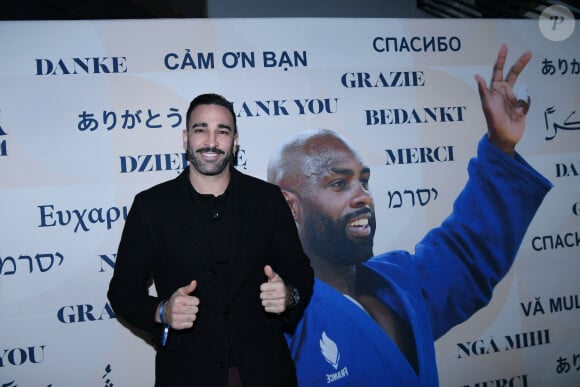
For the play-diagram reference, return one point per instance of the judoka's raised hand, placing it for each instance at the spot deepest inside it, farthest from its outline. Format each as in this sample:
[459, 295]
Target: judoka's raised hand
[505, 117]
[273, 293]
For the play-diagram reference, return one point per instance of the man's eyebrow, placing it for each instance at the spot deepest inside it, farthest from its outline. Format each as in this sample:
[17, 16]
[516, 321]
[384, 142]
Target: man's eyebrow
[225, 126]
[348, 171]
[341, 171]
[205, 125]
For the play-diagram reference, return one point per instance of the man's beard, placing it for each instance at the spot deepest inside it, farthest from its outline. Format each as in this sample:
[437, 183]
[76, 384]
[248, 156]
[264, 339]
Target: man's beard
[329, 239]
[209, 169]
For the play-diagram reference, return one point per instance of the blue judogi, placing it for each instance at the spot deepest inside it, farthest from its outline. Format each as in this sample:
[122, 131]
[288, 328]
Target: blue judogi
[450, 276]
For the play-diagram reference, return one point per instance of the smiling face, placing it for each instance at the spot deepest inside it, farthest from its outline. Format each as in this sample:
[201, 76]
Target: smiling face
[209, 139]
[333, 207]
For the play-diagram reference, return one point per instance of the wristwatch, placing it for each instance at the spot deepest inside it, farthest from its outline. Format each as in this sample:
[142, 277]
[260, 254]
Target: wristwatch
[293, 297]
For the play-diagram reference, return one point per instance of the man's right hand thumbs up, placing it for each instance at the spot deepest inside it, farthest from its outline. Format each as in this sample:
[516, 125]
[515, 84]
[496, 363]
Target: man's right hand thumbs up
[180, 311]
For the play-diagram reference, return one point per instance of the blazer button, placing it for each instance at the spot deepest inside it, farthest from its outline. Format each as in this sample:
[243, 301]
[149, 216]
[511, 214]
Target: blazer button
[212, 272]
[220, 364]
[227, 315]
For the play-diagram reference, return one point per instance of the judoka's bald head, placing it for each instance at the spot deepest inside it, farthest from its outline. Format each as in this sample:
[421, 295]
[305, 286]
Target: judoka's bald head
[304, 156]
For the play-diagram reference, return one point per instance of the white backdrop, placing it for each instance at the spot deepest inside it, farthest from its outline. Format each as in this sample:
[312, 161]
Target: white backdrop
[91, 113]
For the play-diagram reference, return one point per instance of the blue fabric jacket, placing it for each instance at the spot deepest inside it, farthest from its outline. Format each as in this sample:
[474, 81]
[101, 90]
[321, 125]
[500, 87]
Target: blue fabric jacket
[450, 276]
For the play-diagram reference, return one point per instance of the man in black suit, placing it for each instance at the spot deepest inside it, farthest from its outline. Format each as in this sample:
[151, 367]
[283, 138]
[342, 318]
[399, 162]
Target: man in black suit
[224, 254]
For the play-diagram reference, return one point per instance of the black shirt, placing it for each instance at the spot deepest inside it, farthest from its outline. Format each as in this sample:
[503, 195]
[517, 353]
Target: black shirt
[215, 214]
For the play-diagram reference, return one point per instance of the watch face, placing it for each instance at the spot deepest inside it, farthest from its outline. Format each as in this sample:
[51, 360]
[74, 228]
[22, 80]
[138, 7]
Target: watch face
[295, 296]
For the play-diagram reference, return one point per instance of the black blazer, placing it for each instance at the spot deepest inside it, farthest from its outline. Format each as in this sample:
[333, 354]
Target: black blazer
[161, 241]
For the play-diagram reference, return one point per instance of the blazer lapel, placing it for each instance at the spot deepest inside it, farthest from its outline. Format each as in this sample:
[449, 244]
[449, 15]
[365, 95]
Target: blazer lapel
[244, 207]
[244, 210]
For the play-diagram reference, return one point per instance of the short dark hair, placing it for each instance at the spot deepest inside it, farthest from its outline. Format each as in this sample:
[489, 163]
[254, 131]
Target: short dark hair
[211, 99]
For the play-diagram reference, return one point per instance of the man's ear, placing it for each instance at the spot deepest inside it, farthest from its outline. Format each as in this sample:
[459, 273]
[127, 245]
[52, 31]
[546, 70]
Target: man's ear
[184, 137]
[294, 202]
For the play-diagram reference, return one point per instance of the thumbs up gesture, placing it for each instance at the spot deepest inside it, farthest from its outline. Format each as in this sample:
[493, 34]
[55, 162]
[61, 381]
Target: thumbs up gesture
[273, 292]
[181, 309]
